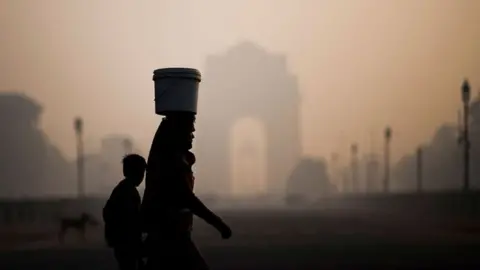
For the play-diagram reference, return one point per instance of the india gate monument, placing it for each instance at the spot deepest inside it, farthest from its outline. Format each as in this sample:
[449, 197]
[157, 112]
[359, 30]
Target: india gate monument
[247, 81]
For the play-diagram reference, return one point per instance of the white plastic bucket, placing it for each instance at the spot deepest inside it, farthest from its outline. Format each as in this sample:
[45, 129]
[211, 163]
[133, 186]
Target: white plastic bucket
[176, 90]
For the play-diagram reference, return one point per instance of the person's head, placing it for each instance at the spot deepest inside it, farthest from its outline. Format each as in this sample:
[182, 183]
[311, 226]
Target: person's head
[190, 158]
[134, 168]
[180, 127]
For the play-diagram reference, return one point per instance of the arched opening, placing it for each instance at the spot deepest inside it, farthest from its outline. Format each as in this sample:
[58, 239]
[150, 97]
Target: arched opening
[248, 156]
[231, 91]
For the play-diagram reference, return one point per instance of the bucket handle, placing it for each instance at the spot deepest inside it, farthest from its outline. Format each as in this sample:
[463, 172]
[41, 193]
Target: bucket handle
[160, 94]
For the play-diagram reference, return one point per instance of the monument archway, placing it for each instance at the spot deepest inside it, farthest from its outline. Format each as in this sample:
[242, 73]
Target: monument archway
[246, 81]
[248, 158]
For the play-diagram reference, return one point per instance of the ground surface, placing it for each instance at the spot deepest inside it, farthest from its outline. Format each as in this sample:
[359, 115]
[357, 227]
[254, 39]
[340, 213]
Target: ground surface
[319, 239]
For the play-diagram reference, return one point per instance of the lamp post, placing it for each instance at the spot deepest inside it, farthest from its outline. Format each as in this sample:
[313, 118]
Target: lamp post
[78, 126]
[334, 169]
[419, 169]
[465, 137]
[386, 180]
[354, 152]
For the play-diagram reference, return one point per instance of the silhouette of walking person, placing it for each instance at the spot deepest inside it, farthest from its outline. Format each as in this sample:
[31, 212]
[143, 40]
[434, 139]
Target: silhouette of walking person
[121, 215]
[169, 202]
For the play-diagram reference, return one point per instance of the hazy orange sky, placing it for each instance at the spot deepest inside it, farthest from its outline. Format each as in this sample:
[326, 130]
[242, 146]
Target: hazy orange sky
[361, 63]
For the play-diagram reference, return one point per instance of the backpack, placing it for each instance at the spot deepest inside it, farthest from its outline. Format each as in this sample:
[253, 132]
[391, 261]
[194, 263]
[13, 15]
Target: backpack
[109, 224]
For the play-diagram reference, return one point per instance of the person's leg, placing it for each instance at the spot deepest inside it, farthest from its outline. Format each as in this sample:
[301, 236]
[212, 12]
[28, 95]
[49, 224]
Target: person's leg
[177, 252]
[195, 258]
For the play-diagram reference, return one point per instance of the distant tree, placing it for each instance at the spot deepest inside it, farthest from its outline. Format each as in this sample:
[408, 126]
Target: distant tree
[309, 179]
[443, 157]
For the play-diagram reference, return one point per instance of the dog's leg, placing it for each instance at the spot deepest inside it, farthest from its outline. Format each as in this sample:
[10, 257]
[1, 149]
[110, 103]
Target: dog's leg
[61, 234]
[81, 230]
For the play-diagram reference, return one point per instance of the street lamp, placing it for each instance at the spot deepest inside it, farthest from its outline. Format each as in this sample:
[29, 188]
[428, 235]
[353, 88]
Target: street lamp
[465, 137]
[354, 152]
[388, 137]
[78, 126]
[419, 169]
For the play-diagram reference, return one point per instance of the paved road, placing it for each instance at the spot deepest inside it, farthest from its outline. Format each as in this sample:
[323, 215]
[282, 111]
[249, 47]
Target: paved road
[295, 241]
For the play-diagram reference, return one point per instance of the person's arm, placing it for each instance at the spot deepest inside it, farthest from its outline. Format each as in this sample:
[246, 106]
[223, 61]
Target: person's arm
[199, 209]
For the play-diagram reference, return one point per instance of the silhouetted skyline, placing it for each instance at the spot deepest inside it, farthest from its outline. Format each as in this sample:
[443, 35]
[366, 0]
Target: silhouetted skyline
[32, 166]
[366, 63]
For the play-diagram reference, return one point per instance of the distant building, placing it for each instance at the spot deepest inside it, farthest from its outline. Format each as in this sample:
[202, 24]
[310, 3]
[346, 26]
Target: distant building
[248, 81]
[30, 165]
[113, 147]
[107, 166]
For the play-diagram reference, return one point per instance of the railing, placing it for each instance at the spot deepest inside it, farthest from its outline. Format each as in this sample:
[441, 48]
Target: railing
[46, 211]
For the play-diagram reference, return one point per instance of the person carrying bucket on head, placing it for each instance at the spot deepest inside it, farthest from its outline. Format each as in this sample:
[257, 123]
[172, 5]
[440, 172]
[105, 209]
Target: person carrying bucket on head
[169, 202]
